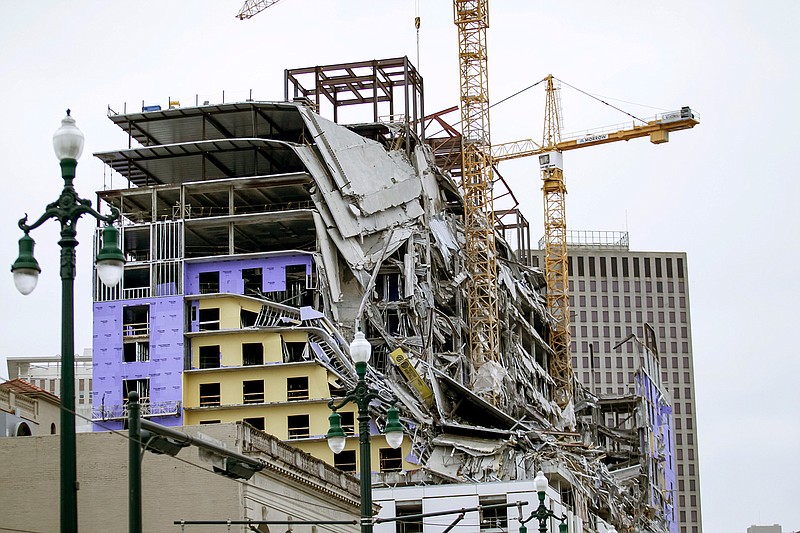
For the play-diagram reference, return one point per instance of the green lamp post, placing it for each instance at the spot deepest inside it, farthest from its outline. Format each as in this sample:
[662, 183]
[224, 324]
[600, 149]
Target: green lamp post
[542, 514]
[68, 145]
[361, 395]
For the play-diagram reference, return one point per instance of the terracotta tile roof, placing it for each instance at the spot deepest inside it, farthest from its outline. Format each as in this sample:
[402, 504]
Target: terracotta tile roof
[21, 386]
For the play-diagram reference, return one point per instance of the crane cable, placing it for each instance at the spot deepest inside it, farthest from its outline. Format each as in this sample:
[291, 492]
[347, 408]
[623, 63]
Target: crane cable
[602, 101]
[417, 23]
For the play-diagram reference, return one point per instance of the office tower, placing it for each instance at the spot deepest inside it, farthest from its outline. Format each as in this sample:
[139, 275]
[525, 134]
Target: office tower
[615, 293]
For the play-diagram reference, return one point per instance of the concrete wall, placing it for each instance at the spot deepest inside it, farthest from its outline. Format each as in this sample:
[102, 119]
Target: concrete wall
[180, 488]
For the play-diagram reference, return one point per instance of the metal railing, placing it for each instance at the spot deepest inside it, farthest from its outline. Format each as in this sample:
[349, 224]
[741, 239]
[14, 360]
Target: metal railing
[175, 102]
[595, 238]
[147, 408]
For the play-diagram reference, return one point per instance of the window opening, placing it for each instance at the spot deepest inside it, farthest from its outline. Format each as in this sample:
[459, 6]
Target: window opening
[294, 352]
[141, 386]
[253, 280]
[209, 282]
[247, 318]
[411, 508]
[296, 285]
[257, 422]
[348, 422]
[208, 319]
[495, 518]
[391, 460]
[136, 351]
[209, 395]
[136, 320]
[389, 287]
[209, 356]
[253, 391]
[297, 388]
[345, 460]
[298, 426]
[252, 353]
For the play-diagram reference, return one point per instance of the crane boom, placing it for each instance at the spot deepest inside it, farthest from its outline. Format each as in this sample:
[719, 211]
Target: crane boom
[254, 7]
[657, 128]
[555, 225]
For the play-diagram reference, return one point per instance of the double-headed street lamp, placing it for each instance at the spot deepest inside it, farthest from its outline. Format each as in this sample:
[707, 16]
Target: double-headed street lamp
[68, 145]
[361, 395]
[542, 514]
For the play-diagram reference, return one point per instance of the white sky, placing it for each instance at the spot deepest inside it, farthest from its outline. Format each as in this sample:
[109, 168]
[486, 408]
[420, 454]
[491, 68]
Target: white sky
[723, 192]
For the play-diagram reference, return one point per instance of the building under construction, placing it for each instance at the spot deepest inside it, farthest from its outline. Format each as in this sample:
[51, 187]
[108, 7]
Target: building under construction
[260, 236]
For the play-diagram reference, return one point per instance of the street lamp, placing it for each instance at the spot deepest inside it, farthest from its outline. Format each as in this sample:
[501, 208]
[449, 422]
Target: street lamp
[361, 395]
[68, 145]
[542, 513]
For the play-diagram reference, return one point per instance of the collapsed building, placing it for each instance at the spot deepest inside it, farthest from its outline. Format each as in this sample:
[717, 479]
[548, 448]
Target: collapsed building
[260, 236]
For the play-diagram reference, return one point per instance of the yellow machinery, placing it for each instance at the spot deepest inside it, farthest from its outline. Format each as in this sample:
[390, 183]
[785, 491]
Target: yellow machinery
[555, 221]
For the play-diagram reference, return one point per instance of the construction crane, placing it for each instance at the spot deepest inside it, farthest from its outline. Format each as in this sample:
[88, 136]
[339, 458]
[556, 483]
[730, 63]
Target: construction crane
[555, 221]
[472, 19]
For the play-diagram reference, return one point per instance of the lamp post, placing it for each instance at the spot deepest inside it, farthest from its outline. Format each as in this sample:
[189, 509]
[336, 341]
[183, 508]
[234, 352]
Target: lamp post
[542, 514]
[68, 145]
[361, 395]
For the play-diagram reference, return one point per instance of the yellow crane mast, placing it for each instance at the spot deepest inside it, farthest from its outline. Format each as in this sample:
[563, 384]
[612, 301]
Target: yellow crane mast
[555, 246]
[555, 222]
[472, 19]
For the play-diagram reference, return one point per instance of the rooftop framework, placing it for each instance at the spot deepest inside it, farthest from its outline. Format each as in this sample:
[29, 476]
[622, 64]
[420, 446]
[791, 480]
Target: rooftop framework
[373, 82]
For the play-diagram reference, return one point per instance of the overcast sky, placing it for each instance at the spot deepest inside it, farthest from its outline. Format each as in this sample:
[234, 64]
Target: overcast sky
[726, 192]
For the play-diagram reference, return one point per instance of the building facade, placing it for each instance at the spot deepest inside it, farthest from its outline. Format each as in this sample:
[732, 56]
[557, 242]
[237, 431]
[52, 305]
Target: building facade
[293, 486]
[615, 293]
[27, 410]
[260, 237]
[44, 371]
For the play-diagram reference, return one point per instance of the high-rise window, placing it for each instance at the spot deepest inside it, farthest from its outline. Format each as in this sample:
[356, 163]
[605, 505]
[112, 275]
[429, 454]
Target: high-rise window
[298, 426]
[256, 422]
[391, 460]
[345, 460]
[209, 395]
[209, 356]
[253, 280]
[252, 353]
[253, 391]
[208, 319]
[208, 282]
[141, 386]
[297, 388]
[135, 333]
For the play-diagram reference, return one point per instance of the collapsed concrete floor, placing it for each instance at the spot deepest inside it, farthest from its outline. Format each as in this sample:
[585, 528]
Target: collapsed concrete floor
[381, 219]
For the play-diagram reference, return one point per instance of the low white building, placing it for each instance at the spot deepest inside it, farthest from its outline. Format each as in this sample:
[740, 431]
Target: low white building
[27, 410]
[44, 371]
[402, 501]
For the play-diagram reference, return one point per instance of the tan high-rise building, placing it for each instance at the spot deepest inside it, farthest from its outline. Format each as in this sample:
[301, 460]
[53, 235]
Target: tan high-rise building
[614, 292]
